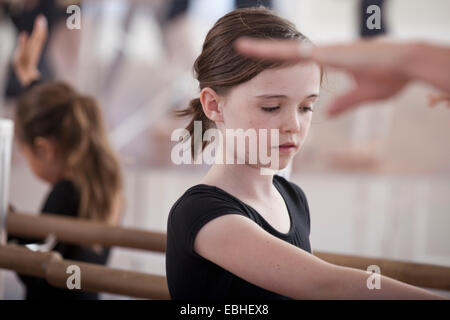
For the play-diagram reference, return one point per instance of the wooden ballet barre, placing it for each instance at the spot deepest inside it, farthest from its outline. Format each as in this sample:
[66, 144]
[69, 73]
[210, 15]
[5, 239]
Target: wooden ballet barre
[25, 261]
[417, 274]
[78, 231]
[82, 231]
[93, 277]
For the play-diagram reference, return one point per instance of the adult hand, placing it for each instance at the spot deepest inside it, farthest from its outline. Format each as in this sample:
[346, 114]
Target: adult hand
[28, 52]
[379, 67]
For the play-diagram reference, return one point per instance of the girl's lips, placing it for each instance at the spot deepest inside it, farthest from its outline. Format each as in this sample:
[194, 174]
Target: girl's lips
[287, 147]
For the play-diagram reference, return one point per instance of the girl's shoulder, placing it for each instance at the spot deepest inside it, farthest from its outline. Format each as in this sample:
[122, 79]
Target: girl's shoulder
[202, 197]
[64, 189]
[64, 185]
[196, 207]
[63, 199]
[290, 187]
[201, 203]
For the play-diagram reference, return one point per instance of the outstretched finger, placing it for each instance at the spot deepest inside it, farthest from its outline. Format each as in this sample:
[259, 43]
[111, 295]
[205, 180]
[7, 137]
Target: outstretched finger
[348, 101]
[37, 39]
[19, 53]
[287, 50]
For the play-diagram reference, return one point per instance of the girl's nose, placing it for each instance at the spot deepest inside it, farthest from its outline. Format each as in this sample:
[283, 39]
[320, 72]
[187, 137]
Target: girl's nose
[291, 122]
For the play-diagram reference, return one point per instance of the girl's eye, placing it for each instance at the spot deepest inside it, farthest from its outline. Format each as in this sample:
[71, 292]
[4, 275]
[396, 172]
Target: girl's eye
[270, 109]
[306, 109]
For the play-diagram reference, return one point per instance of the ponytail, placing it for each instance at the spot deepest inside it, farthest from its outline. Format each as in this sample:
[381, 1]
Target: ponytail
[91, 162]
[195, 110]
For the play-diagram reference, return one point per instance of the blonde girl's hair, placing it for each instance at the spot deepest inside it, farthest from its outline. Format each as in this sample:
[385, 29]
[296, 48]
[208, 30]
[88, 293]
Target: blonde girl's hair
[55, 110]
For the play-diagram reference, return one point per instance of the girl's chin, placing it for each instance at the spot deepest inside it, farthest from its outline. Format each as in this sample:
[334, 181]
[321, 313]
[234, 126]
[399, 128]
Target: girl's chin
[283, 163]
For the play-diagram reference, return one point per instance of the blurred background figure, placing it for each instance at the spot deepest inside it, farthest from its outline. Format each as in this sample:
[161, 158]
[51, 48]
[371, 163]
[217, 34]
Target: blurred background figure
[377, 180]
[22, 14]
[61, 134]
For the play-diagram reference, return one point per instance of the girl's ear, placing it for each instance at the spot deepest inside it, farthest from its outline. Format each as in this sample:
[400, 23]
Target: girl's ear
[210, 104]
[44, 149]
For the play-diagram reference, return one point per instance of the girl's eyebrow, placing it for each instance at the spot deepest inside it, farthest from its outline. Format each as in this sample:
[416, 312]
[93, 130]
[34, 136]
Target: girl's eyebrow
[271, 96]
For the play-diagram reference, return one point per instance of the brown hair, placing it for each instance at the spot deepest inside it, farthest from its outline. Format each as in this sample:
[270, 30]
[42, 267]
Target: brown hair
[55, 110]
[220, 67]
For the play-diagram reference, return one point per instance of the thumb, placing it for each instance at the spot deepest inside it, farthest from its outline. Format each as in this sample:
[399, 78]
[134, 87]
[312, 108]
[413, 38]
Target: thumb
[23, 36]
[37, 39]
[21, 45]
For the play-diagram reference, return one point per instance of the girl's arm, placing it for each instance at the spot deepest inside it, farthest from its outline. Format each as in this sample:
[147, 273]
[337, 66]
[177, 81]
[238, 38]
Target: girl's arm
[240, 246]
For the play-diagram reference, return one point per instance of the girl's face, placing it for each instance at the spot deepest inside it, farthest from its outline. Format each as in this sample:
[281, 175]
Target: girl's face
[43, 159]
[281, 98]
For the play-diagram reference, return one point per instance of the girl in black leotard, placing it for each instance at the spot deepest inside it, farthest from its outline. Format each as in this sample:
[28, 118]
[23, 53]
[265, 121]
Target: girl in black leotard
[62, 135]
[240, 234]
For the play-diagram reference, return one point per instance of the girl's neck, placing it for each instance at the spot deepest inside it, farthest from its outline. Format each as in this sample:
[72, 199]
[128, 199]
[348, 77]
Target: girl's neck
[242, 180]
